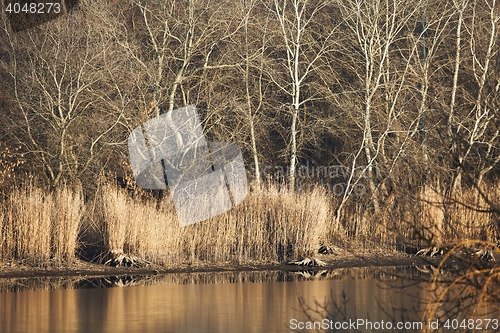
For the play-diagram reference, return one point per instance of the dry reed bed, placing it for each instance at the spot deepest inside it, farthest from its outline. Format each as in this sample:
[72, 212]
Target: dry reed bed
[431, 216]
[463, 214]
[269, 226]
[40, 227]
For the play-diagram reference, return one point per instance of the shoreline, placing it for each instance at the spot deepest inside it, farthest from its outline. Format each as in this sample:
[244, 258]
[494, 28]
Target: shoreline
[87, 269]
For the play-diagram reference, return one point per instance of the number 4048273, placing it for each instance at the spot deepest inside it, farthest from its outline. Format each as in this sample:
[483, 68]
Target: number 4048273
[33, 8]
[472, 324]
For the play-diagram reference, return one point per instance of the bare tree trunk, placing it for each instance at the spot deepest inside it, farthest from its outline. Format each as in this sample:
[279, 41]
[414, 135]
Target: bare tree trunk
[457, 182]
[294, 24]
[251, 121]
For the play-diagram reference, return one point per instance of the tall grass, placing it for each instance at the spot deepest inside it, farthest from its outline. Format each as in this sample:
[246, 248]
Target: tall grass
[38, 226]
[268, 226]
[67, 213]
[463, 214]
[430, 216]
[271, 225]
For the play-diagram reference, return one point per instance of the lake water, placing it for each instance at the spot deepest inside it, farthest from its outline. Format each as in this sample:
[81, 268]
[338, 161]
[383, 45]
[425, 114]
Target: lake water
[216, 302]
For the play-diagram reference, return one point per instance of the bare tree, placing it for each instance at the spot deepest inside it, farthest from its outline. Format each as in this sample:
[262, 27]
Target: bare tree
[252, 111]
[172, 44]
[304, 45]
[480, 131]
[57, 74]
[379, 53]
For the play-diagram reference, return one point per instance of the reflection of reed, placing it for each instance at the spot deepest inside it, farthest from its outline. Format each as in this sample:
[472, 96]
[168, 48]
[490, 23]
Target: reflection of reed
[53, 283]
[40, 283]
[39, 311]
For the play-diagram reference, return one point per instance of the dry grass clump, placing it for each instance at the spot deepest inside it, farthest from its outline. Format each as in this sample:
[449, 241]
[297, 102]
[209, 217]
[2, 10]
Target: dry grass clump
[432, 215]
[118, 224]
[471, 214]
[363, 229]
[113, 217]
[268, 226]
[38, 226]
[68, 209]
[460, 215]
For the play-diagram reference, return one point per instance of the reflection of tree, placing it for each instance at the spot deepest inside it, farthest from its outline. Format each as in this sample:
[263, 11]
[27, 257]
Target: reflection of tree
[338, 310]
[332, 309]
[465, 282]
[427, 294]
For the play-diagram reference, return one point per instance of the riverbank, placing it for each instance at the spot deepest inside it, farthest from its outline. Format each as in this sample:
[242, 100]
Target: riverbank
[80, 268]
[59, 233]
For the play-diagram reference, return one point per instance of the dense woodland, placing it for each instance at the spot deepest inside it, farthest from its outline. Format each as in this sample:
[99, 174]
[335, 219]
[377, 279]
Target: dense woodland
[403, 96]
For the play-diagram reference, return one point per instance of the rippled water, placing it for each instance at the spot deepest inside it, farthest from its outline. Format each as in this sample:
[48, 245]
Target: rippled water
[210, 302]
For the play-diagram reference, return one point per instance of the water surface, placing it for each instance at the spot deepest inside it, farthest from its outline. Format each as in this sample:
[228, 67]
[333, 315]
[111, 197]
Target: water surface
[213, 302]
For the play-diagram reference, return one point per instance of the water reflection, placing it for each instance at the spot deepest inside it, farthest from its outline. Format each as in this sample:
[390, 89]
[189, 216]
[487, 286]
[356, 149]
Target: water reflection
[207, 302]
[59, 282]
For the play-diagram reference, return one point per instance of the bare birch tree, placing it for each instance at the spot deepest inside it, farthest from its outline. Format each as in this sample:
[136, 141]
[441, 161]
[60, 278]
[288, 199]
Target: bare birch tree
[303, 47]
[378, 53]
[481, 132]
